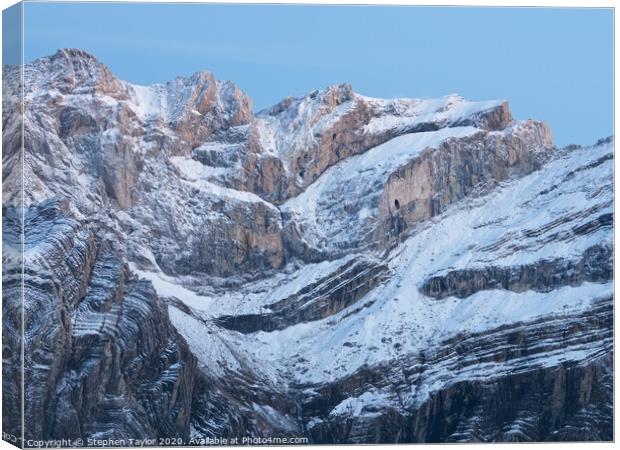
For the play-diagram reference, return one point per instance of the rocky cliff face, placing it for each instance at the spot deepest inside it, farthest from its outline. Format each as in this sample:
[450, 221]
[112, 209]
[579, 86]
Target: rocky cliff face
[97, 341]
[336, 267]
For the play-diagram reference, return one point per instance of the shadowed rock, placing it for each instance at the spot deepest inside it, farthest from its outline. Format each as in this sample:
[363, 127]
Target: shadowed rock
[318, 300]
[595, 266]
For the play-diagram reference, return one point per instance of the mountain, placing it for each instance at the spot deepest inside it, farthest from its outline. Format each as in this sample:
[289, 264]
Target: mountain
[337, 267]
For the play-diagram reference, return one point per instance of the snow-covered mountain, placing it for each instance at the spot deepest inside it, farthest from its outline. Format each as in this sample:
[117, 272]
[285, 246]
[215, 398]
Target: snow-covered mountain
[337, 267]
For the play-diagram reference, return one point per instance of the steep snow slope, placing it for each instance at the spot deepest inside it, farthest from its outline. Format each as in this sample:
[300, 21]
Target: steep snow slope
[543, 222]
[354, 183]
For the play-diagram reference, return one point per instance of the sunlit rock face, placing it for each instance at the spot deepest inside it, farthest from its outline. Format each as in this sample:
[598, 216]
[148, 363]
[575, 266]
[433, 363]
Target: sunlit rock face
[336, 267]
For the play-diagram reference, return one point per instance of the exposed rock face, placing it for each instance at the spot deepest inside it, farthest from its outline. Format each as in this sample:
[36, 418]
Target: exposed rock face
[487, 406]
[318, 300]
[207, 106]
[215, 235]
[98, 340]
[393, 186]
[316, 132]
[12, 320]
[428, 185]
[596, 265]
[336, 267]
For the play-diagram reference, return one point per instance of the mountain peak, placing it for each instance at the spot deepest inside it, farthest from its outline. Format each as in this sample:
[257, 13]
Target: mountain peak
[72, 70]
[80, 60]
[75, 53]
[337, 94]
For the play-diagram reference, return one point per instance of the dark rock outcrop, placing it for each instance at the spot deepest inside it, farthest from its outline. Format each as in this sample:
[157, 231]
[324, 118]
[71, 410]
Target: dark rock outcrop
[522, 402]
[98, 341]
[318, 300]
[596, 265]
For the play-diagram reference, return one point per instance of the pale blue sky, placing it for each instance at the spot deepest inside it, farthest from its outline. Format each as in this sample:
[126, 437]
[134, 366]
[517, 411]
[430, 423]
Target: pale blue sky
[551, 64]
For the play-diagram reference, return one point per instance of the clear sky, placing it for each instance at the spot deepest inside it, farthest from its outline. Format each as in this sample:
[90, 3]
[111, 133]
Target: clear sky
[550, 64]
